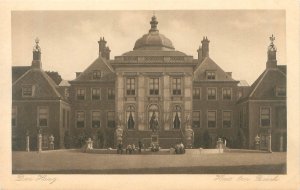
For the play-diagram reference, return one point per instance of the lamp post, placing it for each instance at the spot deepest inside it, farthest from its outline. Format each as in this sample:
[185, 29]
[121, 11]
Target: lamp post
[257, 142]
[27, 141]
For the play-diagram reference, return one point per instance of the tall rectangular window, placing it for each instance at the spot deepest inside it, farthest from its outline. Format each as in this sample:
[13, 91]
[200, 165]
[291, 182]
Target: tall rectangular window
[211, 75]
[96, 74]
[211, 93]
[68, 119]
[130, 86]
[153, 86]
[176, 86]
[241, 118]
[80, 94]
[196, 119]
[80, 119]
[96, 119]
[265, 116]
[196, 93]
[226, 93]
[110, 93]
[111, 119]
[14, 116]
[43, 114]
[227, 119]
[211, 119]
[27, 90]
[96, 93]
[64, 118]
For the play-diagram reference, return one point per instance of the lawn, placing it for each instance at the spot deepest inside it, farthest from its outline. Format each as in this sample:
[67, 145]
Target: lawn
[74, 161]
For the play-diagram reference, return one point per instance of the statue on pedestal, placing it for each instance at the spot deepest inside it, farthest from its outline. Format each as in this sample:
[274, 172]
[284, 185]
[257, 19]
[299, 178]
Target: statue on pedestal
[154, 123]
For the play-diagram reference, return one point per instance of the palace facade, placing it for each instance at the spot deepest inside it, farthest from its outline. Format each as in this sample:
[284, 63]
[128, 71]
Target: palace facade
[187, 100]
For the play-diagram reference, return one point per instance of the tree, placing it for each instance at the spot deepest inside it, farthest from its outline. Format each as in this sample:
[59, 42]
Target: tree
[55, 76]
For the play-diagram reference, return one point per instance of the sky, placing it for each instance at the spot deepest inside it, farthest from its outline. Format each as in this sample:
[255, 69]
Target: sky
[69, 39]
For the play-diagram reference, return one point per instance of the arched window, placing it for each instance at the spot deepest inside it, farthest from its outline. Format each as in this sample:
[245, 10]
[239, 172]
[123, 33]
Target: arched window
[130, 115]
[177, 117]
[153, 114]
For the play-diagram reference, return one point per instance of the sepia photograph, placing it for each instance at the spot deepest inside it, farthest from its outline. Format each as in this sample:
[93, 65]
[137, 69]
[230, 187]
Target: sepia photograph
[148, 96]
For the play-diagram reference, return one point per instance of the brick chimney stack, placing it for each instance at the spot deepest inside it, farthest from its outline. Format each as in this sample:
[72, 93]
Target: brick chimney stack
[104, 50]
[272, 61]
[36, 55]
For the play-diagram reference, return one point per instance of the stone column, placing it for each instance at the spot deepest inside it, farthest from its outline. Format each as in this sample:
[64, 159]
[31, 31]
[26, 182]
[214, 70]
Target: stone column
[27, 143]
[119, 104]
[141, 102]
[188, 109]
[39, 142]
[167, 117]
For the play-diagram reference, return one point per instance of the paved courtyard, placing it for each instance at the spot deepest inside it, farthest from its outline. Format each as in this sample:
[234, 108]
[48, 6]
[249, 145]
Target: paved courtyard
[74, 161]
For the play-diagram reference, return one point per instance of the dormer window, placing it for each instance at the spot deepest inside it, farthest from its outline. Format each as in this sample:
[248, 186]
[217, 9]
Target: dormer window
[27, 90]
[280, 91]
[210, 75]
[97, 75]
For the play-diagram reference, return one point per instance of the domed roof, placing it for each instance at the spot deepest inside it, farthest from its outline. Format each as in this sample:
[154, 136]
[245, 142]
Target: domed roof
[153, 40]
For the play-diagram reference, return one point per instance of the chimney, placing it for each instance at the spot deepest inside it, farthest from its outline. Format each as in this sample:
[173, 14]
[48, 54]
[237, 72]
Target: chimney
[36, 55]
[200, 58]
[272, 62]
[104, 50]
[205, 47]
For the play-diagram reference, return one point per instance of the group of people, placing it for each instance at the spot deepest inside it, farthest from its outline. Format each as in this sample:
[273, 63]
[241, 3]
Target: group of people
[130, 148]
[179, 148]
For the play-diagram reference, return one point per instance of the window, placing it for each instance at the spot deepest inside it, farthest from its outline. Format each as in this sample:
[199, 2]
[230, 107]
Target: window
[27, 90]
[130, 113]
[64, 118]
[130, 86]
[96, 119]
[196, 119]
[43, 114]
[66, 93]
[176, 86]
[96, 75]
[211, 119]
[226, 93]
[211, 93]
[153, 115]
[96, 93]
[80, 94]
[177, 117]
[241, 118]
[153, 86]
[211, 75]
[196, 94]
[240, 94]
[281, 91]
[14, 116]
[80, 119]
[111, 93]
[111, 119]
[68, 119]
[265, 117]
[227, 119]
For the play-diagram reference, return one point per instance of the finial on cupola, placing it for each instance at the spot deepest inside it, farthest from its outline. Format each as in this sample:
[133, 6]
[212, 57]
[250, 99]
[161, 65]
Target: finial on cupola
[272, 62]
[153, 23]
[36, 55]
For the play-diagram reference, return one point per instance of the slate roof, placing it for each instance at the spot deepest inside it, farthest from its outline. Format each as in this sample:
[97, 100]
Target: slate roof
[153, 53]
[44, 87]
[99, 64]
[264, 86]
[18, 71]
[209, 65]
